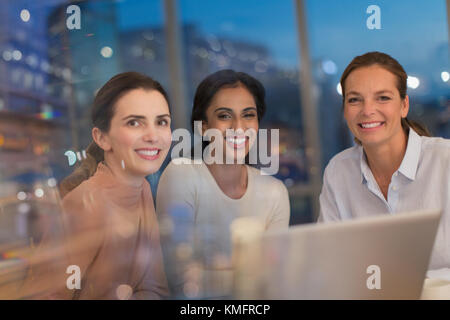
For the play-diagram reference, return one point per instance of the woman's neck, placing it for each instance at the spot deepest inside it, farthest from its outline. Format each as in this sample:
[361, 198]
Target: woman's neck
[385, 159]
[121, 173]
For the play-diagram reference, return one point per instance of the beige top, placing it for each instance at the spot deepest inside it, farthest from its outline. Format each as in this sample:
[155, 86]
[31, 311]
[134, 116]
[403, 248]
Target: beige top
[201, 216]
[112, 235]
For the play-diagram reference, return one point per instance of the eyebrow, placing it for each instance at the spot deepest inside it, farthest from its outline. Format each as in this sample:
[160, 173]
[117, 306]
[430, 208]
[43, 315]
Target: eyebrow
[133, 116]
[231, 110]
[378, 92]
[163, 116]
[384, 91]
[136, 116]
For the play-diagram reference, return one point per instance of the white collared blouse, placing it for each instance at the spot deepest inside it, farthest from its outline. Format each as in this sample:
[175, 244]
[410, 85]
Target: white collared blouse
[422, 182]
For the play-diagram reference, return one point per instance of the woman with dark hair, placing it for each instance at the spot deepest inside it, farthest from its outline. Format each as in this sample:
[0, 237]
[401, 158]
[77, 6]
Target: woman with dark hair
[111, 228]
[206, 195]
[395, 166]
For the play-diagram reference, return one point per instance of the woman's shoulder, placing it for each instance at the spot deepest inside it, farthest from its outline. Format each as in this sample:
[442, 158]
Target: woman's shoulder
[344, 161]
[181, 174]
[86, 198]
[348, 155]
[78, 191]
[436, 150]
[270, 192]
[438, 144]
[183, 167]
[266, 181]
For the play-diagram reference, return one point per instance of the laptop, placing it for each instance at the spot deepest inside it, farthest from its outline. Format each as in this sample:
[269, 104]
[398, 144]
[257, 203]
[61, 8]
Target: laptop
[381, 257]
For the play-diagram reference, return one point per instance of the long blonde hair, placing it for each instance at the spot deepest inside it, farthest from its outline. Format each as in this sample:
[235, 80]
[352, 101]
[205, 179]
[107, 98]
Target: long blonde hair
[102, 113]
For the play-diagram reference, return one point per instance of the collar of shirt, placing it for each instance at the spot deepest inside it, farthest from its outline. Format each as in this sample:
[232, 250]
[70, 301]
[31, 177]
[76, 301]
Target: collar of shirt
[410, 161]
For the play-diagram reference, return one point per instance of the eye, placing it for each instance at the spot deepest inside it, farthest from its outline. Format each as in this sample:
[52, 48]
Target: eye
[133, 123]
[250, 115]
[163, 122]
[224, 116]
[353, 100]
[385, 98]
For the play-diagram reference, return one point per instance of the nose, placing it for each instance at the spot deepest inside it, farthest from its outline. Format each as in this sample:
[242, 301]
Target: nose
[368, 108]
[238, 124]
[151, 134]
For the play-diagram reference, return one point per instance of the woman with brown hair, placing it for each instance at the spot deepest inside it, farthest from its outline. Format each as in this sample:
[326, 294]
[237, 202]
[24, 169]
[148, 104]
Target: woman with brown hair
[395, 166]
[110, 223]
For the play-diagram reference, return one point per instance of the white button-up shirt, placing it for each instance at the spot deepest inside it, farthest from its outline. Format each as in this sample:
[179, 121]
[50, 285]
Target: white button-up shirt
[421, 182]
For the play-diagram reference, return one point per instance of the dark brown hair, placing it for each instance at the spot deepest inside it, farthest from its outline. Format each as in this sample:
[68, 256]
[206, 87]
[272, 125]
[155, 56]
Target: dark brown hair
[222, 79]
[227, 78]
[390, 64]
[102, 112]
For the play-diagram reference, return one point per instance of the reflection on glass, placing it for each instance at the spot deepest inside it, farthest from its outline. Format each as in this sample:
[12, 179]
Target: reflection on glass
[49, 74]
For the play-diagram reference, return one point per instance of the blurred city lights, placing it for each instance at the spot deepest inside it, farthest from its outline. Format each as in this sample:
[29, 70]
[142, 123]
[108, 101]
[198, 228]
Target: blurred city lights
[329, 67]
[214, 43]
[289, 182]
[23, 208]
[7, 55]
[413, 82]
[25, 15]
[39, 193]
[445, 76]
[203, 53]
[339, 89]
[261, 66]
[45, 66]
[106, 52]
[211, 56]
[51, 182]
[32, 61]
[17, 55]
[47, 115]
[67, 74]
[21, 195]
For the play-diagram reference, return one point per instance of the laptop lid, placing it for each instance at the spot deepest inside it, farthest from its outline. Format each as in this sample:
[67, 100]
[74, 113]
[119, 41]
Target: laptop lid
[381, 257]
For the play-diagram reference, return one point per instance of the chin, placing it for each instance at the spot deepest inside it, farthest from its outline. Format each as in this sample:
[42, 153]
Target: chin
[152, 170]
[240, 154]
[145, 170]
[371, 142]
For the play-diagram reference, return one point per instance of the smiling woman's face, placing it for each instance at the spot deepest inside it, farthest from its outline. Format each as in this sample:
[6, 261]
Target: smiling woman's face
[139, 137]
[373, 107]
[233, 108]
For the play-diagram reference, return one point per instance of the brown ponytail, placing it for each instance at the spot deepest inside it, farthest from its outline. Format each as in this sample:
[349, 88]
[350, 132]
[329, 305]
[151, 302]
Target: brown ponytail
[94, 155]
[416, 126]
[390, 64]
[102, 113]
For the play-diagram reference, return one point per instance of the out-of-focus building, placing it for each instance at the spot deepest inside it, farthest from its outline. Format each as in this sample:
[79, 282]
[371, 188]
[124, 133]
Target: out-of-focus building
[32, 116]
[88, 55]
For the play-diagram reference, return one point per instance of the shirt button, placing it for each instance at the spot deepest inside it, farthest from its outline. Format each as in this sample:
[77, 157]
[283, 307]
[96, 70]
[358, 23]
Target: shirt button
[395, 174]
[394, 188]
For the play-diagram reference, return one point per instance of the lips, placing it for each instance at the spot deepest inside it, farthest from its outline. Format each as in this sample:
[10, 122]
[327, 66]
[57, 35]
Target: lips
[148, 153]
[373, 125]
[237, 142]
